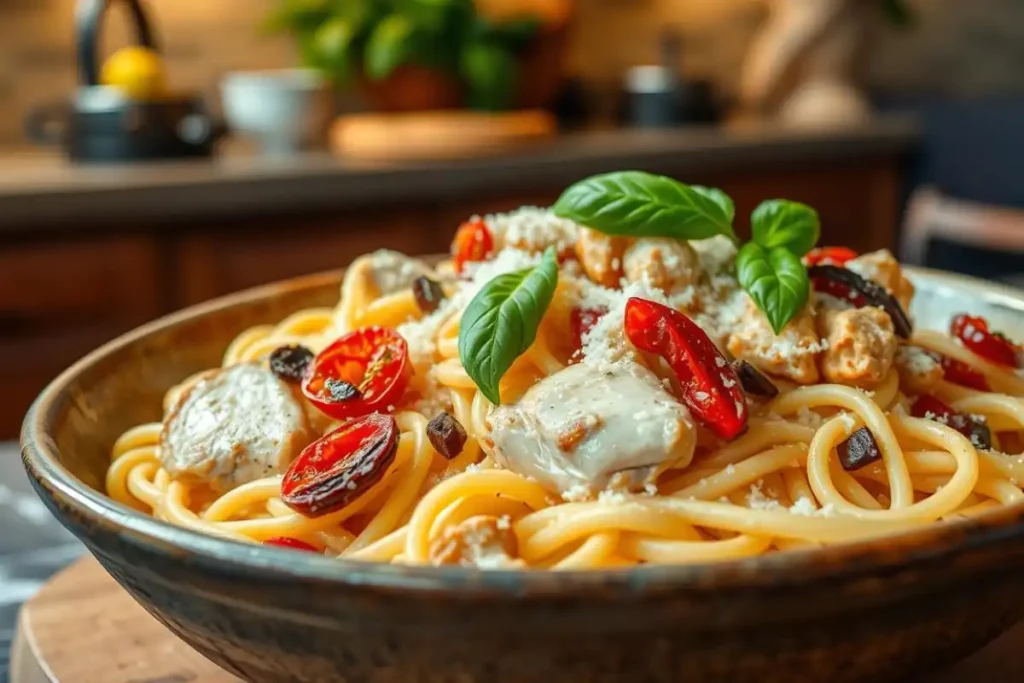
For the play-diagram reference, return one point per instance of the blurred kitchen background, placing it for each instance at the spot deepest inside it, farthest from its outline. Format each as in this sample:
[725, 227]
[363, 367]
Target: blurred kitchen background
[238, 142]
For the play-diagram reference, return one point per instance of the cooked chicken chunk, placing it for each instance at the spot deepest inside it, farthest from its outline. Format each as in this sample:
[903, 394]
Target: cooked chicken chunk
[482, 541]
[601, 256]
[882, 267]
[919, 371]
[234, 426]
[861, 345]
[584, 429]
[668, 264]
[792, 354]
[388, 271]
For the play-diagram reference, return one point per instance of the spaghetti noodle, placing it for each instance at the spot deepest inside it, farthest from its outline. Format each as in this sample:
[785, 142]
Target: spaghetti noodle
[778, 486]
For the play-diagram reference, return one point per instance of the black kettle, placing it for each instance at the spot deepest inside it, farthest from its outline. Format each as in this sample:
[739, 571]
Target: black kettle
[102, 124]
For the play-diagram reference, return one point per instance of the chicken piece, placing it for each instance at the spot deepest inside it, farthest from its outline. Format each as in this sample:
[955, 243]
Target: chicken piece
[919, 370]
[792, 354]
[882, 267]
[234, 426]
[482, 541]
[601, 256]
[861, 345]
[389, 271]
[662, 262]
[584, 428]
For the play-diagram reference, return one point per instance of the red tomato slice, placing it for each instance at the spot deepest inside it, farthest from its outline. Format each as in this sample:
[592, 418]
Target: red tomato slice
[830, 256]
[291, 543]
[333, 471]
[710, 387]
[973, 332]
[473, 242]
[960, 373]
[364, 371]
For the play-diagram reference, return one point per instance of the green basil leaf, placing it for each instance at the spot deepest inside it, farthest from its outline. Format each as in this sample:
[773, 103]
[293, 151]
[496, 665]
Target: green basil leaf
[782, 223]
[389, 46]
[501, 322]
[776, 280]
[638, 204]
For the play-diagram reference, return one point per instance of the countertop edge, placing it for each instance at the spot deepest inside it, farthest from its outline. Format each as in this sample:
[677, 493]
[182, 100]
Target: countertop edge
[54, 195]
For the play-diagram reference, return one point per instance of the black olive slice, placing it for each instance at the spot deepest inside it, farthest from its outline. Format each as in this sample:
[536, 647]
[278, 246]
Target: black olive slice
[290, 362]
[859, 450]
[446, 435]
[428, 293]
[753, 381]
[874, 293]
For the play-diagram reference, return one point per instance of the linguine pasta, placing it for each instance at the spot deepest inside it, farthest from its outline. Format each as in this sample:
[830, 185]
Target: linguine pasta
[779, 486]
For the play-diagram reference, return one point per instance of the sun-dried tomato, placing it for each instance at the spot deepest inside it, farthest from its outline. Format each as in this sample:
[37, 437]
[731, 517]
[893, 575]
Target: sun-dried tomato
[931, 408]
[333, 471]
[473, 242]
[973, 332]
[710, 387]
[963, 374]
[364, 371]
[835, 280]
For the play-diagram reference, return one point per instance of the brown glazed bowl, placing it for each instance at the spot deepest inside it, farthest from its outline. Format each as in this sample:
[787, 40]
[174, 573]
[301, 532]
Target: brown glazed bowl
[877, 611]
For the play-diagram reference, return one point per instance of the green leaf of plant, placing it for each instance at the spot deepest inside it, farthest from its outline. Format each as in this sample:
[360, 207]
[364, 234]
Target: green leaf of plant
[782, 223]
[389, 46]
[639, 204]
[329, 49]
[517, 33]
[501, 322]
[296, 15]
[489, 69]
[775, 279]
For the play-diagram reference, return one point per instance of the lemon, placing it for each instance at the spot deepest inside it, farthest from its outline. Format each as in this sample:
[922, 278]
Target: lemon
[137, 71]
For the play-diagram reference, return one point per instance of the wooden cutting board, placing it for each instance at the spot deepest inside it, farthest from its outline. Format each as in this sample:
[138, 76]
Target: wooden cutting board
[84, 628]
[427, 136]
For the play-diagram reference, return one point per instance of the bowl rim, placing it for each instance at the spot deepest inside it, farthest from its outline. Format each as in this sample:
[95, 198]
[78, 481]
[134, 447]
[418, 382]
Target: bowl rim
[903, 550]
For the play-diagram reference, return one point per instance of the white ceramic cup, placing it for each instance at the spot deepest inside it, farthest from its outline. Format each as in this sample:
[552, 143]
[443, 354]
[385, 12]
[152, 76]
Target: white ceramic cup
[284, 111]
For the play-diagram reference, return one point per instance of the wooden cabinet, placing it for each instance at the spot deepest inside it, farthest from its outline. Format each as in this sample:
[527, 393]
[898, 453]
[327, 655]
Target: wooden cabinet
[220, 260]
[59, 301]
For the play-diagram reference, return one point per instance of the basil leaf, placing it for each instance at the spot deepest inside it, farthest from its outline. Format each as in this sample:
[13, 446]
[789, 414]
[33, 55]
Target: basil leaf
[388, 47]
[776, 280]
[782, 223]
[501, 322]
[638, 204]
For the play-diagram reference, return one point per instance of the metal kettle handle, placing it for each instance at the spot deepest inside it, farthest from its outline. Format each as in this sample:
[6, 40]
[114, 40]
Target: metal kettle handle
[88, 24]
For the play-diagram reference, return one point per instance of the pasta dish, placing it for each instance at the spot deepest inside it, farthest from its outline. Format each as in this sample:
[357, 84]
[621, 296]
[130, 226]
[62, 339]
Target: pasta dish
[616, 380]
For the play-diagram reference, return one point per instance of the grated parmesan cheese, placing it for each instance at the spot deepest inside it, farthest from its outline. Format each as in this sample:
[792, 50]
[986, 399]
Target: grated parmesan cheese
[757, 500]
[804, 506]
[532, 229]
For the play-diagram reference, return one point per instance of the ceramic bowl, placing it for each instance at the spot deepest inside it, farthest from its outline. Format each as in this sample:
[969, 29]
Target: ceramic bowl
[284, 111]
[875, 611]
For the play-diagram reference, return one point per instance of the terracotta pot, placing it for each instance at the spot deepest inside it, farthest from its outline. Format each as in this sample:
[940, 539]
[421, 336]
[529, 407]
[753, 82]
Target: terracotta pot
[413, 88]
[418, 88]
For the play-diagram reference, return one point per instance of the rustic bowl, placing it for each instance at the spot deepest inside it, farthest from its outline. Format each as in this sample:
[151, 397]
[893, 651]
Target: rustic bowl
[874, 611]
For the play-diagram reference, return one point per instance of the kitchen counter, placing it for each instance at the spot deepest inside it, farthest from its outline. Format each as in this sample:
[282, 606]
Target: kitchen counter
[45, 191]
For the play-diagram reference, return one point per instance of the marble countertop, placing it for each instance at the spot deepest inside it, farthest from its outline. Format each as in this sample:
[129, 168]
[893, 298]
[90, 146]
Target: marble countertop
[39, 190]
[32, 545]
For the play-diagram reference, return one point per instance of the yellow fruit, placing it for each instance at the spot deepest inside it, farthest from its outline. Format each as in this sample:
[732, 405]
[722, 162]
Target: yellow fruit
[137, 71]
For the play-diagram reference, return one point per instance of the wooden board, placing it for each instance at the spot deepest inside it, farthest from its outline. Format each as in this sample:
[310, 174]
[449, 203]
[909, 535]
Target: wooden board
[83, 628]
[428, 136]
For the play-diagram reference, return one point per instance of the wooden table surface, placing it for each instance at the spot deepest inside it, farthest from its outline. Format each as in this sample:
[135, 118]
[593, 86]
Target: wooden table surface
[83, 628]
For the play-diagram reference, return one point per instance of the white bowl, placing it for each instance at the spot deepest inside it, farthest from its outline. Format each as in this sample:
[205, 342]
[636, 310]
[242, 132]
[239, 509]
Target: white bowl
[284, 111]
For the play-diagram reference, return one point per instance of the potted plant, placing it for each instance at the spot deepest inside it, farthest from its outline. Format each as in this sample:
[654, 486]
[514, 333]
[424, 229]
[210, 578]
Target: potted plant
[489, 55]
